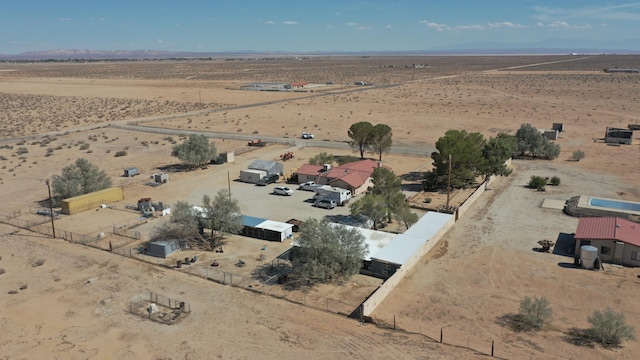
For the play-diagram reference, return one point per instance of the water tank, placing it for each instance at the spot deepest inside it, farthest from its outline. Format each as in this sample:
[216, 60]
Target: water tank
[588, 255]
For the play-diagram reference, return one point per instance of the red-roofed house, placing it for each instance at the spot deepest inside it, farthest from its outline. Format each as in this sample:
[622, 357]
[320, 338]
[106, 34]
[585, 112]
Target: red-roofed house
[354, 176]
[617, 240]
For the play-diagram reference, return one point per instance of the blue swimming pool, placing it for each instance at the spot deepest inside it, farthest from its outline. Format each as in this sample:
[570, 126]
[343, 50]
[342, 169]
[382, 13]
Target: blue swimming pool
[614, 204]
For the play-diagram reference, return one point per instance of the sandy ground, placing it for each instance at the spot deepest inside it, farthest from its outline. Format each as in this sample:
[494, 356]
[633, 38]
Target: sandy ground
[464, 285]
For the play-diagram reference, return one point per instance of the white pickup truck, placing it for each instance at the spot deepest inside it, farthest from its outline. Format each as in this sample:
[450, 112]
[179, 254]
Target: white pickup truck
[308, 186]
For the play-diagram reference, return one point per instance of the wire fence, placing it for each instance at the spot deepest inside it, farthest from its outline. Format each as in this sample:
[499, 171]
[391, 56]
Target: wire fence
[446, 335]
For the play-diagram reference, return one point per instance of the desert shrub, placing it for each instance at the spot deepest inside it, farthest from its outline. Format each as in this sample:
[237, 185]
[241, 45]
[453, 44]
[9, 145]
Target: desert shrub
[12, 292]
[577, 155]
[168, 138]
[555, 181]
[535, 312]
[84, 146]
[120, 153]
[341, 160]
[537, 182]
[22, 150]
[108, 151]
[2, 271]
[428, 200]
[3, 157]
[610, 328]
[552, 151]
[24, 287]
[38, 262]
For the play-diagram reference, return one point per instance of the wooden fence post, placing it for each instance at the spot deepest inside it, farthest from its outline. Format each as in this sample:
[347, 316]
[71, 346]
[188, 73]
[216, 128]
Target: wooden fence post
[491, 348]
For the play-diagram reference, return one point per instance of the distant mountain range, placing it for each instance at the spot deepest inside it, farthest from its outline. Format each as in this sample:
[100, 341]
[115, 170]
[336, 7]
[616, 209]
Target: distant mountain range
[486, 48]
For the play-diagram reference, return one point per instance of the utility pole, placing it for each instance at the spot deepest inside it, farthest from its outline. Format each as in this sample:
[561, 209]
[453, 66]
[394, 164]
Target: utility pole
[229, 183]
[53, 228]
[449, 183]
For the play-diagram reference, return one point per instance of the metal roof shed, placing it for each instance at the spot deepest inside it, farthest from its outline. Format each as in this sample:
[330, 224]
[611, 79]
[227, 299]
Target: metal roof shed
[162, 248]
[270, 166]
[266, 229]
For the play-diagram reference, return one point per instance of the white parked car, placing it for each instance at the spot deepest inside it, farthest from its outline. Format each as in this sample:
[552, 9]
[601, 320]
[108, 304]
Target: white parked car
[306, 135]
[282, 190]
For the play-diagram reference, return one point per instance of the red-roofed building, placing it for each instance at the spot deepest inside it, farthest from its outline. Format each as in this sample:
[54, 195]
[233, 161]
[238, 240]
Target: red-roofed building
[617, 240]
[299, 84]
[354, 176]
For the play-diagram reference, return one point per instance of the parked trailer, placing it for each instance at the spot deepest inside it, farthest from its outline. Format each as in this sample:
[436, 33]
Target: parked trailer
[131, 172]
[252, 176]
[339, 195]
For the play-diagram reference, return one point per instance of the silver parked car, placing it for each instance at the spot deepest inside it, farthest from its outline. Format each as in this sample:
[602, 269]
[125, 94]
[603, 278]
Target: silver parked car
[324, 203]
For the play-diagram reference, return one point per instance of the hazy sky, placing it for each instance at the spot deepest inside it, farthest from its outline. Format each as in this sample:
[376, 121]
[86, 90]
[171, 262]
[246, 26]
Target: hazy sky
[303, 25]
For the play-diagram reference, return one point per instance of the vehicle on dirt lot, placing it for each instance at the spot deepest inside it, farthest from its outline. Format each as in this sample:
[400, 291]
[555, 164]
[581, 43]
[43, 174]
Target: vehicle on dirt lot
[306, 135]
[308, 186]
[269, 179]
[325, 203]
[282, 190]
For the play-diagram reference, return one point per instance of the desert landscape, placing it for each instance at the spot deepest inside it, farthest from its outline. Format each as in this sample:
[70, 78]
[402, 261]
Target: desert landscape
[65, 300]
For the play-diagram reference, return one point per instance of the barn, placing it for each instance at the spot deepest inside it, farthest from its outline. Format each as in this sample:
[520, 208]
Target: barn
[617, 240]
[162, 248]
[92, 200]
[264, 229]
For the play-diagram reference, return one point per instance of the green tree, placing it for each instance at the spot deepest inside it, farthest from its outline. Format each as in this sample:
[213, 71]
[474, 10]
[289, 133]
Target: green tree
[532, 143]
[79, 178]
[610, 328]
[496, 152]
[321, 159]
[185, 224]
[387, 185]
[222, 215]
[381, 139]
[535, 312]
[406, 216]
[371, 206]
[195, 151]
[328, 252]
[466, 157]
[360, 134]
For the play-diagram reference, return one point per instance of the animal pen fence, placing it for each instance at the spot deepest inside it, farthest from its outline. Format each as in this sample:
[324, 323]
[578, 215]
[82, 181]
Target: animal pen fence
[160, 308]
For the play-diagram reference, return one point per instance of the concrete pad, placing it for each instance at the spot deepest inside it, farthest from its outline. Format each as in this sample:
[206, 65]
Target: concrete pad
[553, 204]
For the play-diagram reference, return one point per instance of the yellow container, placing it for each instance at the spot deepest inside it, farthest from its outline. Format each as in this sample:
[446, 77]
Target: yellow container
[92, 200]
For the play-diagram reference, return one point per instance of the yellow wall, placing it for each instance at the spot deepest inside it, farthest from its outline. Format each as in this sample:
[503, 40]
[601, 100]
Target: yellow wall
[92, 200]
